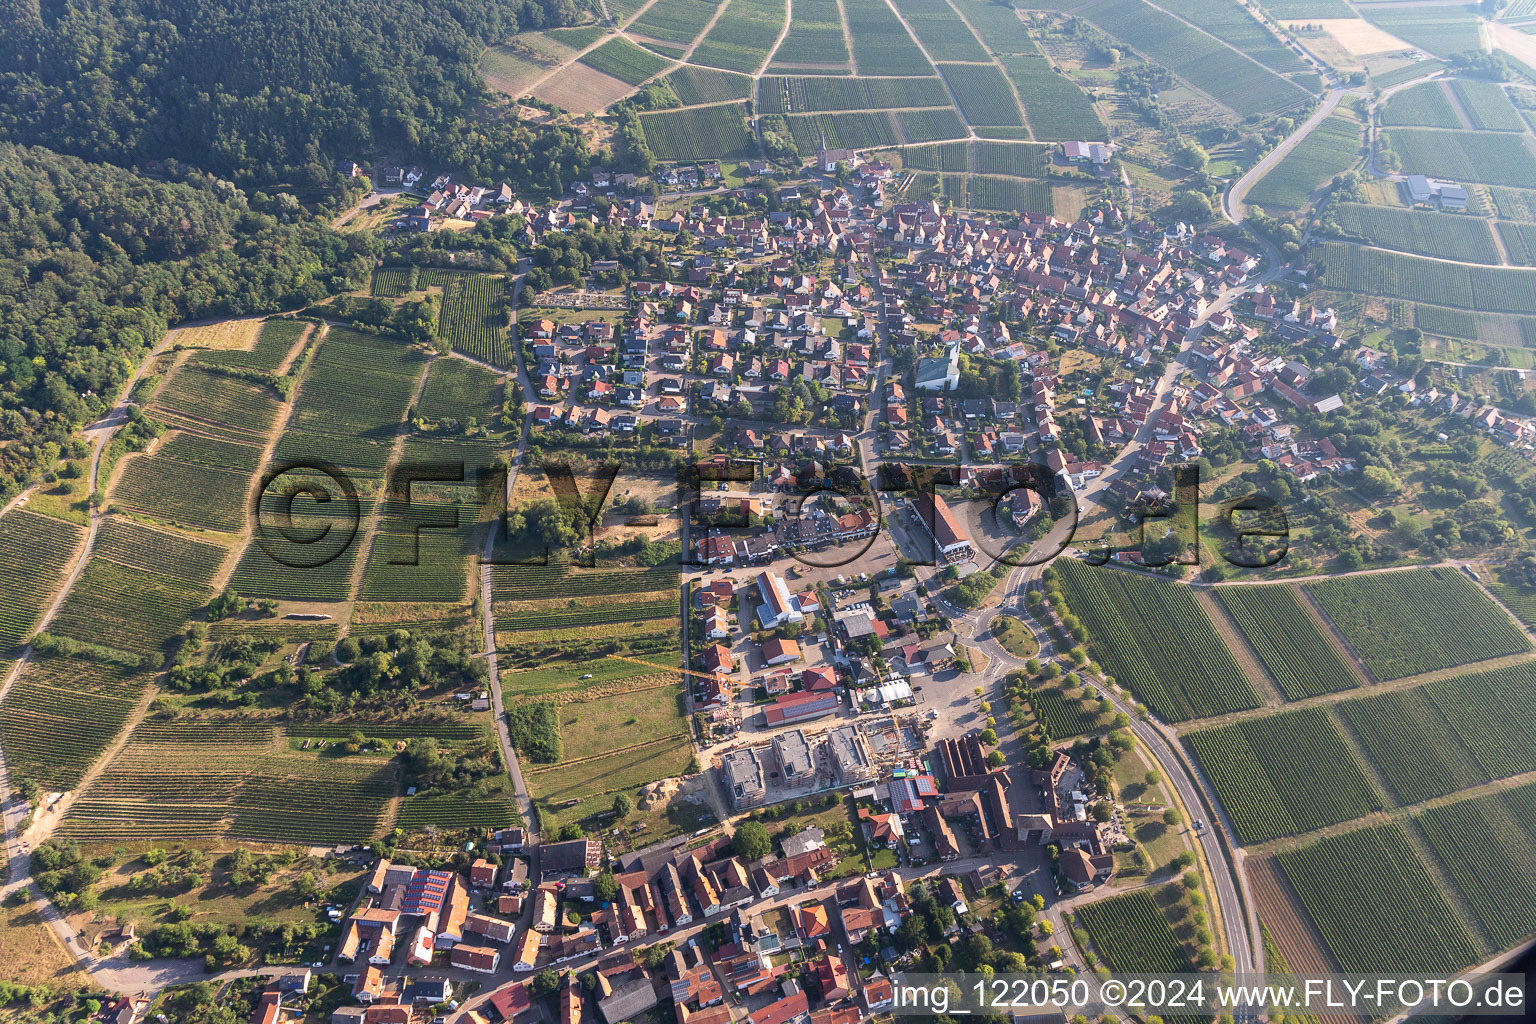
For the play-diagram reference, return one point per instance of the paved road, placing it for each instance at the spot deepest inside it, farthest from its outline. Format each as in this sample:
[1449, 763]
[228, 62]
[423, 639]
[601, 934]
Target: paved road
[1232, 206]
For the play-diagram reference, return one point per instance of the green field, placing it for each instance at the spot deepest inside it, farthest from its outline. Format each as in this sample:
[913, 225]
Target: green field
[860, 130]
[1214, 68]
[1377, 907]
[1496, 873]
[1133, 935]
[699, 133]
[1493, 158]
[460, 391]
[61, 714]
[1404, 623]
[1056, 107]
[1425, 104]
[191, 480]
[1446, 235]
[930, 124]
[1411, 744]
[475, 318]
[1487, 104]
[881, 46]
[1519, 241]
[1283, 774]
[947, 156]
[675, 21]
[1514, 203]
[944, 36]
[701, 85]
[740, 39]
[1397, 276]
[625, 61]
[809, 95]
[1329, 150]
[983, 93]
[1288, 641]
[35, 553]
[815, 36]
[1010, 194]
[1443, 31]
[1153, 637]
[1239, 29]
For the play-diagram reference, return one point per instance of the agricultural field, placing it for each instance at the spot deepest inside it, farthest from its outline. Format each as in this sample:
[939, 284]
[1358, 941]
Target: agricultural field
[1398, 276]
[1493, 714]
[190, 480]
[1519, 241]
[35, 555]
[459, 391]
[1454, 323]
[999, 28]
[1487, 104]
[1056, 107]
[698, 133]
[475, 318]
[1154, 638]
[881, 46]
[1411, 744]
[1012, 159]
[1442, 31]
[1425, 105]
[199, 395]
[350, 407]
[1010, 194]
[1375, 904]
[695, 86]
[815, 37]
[1404, 623]
[1493, 158]
[1496, 874]
[1064, 714]
[1288, 641]
[1514, 203]
[1133, 935]
[1446, 235]
[808, 95]
[930, 124]
[983, 93]
[1283, 774]
[1216, 69]
[949, 156]
[204, 779]
[941, 33]
[857, 130]
[1517, 596]
[506, 71]
[139, 588]
[675, 21]
[1240, 30]
[62, 713]
[625, 61]
[740, 40]
[1328, 151]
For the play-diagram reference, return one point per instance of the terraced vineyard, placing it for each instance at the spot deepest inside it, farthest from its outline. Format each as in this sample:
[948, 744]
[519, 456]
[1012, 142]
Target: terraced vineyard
[1283, 774]
[1376, 905]
[474, 319]
[1132, 935]
[1287, 640]
[35, 554]
[1128, 617]
[1404, 623]
[203, 779]
[139, 588]
[1496, 872]
[62, 713]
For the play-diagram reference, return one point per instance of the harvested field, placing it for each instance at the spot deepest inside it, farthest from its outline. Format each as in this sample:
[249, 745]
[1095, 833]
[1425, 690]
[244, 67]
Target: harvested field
[582, 90]
[1357, 35]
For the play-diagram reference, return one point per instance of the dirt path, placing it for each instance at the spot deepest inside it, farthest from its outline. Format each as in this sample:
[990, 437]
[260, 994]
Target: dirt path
[789, 19]
[842, 15]
[1456, 107]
